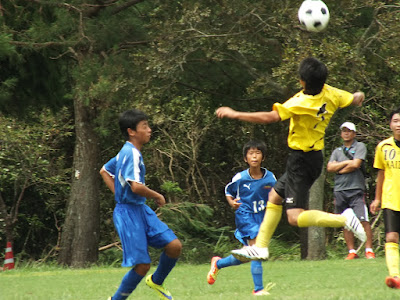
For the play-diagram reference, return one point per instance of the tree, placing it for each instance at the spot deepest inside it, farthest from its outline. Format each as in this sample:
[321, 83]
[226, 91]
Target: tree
[32, 161]
[315, 243]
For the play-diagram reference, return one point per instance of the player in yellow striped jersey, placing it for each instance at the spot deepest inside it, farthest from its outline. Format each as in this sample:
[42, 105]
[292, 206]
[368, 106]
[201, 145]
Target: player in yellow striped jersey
[309, 112]
[387, 196]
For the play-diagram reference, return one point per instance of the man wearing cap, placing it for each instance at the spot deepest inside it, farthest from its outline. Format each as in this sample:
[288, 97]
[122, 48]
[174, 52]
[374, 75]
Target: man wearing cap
[349, 190]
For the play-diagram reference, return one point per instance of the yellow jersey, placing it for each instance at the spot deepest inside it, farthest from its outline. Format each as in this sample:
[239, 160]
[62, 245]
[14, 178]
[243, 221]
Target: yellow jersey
[310, 115]
[387, 158]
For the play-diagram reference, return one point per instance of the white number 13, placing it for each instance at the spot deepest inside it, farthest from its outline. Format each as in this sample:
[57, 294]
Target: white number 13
[258, 206]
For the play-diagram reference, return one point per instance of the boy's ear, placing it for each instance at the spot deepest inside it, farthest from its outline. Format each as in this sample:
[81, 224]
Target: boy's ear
[131, 132]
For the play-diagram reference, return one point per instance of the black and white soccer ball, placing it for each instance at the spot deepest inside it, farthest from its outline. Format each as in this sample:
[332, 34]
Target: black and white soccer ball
[314, 15]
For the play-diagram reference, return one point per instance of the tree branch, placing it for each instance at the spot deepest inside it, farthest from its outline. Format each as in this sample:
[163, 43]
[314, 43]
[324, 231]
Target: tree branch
[125, 6]
[44, 44]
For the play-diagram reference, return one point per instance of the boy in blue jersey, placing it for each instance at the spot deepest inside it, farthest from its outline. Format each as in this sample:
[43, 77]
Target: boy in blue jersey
[137, 225]
[247, 194]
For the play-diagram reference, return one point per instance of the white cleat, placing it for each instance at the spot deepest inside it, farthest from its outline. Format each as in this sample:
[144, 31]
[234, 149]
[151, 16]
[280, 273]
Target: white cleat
[251, 253]
[354, 225]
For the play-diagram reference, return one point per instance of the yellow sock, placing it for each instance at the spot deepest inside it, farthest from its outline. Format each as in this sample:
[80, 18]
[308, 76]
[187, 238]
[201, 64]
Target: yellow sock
[392, 258]
[271, 220]
[319, 218]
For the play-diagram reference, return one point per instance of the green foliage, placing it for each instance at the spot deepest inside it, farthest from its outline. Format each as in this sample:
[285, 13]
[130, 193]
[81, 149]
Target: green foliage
[34, 177]
[194, 224]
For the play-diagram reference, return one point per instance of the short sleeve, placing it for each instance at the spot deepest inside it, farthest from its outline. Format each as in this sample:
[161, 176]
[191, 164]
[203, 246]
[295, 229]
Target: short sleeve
[231, 189]
[334, 156]
[361, 151]
[379, 162]
[110, 166]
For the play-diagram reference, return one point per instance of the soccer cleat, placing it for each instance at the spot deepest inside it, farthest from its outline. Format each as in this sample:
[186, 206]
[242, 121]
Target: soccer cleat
[351, 256]
[251, 253]
[353, 224]
[261, 293]
[393, 282]
[369, 255]
[162, 292]
[213, 273]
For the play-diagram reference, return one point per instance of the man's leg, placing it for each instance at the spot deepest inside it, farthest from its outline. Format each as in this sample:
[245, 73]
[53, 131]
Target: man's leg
[392, 259]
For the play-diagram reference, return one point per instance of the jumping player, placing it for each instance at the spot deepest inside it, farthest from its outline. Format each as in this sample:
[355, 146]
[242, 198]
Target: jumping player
[137, 224]
[247, 194]
[387, 196]
[309, 111]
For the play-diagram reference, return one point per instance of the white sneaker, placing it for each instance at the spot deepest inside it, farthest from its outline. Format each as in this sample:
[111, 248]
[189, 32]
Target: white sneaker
[261, 293]
[251, 253]
[353, 224]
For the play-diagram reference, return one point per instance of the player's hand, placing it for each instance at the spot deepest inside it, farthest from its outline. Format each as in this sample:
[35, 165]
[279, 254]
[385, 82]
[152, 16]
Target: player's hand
[359, 98]
[160, 200]
[236, 203]
[375, 206]
[225, 112]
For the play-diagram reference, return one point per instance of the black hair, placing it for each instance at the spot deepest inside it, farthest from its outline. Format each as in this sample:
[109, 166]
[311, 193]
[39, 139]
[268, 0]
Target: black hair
[255, 144]
[314, 73]
[392, 113]
[130, 119]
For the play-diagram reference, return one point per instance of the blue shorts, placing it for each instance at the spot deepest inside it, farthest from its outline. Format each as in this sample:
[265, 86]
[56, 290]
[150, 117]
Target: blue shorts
[139, 227]
[247, 225]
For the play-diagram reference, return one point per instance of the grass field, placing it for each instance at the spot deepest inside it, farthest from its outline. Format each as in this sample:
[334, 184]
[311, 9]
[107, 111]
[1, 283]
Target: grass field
[328, 279]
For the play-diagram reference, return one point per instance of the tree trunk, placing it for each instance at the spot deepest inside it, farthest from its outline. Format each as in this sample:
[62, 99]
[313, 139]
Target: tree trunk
[316, 235]
[80, 234]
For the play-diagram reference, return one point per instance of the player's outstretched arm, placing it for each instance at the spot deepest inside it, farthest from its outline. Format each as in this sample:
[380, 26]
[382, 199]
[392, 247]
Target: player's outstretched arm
[260, 117]
[358, 98]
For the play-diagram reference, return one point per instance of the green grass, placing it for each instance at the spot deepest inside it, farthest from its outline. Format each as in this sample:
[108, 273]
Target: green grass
[328, 279]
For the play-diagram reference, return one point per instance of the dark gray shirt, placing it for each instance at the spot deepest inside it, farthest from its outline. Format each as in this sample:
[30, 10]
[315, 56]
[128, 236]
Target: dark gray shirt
[353, 180]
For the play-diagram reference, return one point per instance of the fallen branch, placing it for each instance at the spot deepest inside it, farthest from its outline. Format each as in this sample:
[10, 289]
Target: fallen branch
[116, 244]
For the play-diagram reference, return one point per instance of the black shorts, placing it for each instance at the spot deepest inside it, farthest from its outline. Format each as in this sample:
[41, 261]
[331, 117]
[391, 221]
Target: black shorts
[391, 219]
[302, 169]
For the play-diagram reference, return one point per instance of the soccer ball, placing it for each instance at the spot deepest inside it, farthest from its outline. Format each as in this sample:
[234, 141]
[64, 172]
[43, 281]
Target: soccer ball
[314, 15]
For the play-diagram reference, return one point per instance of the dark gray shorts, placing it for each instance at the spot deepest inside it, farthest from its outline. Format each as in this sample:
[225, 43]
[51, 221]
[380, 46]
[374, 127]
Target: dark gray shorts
[354, 199]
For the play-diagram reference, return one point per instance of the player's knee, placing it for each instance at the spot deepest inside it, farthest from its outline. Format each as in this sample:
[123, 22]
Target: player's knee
[392, 237]
[292, 220]
[174, 248]
[142, 269]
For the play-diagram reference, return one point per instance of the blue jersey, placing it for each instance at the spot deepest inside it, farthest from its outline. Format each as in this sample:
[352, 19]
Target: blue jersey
[253, 193]
[126, 167]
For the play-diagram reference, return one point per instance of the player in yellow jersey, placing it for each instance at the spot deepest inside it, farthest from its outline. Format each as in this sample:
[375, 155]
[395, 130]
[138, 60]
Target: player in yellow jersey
[387, 196]
[309, 112]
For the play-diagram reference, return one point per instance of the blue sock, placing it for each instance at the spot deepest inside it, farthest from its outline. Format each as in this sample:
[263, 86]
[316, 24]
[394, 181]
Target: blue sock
[227, 262]
[165, 266]
[128, 284]
[257, 272]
